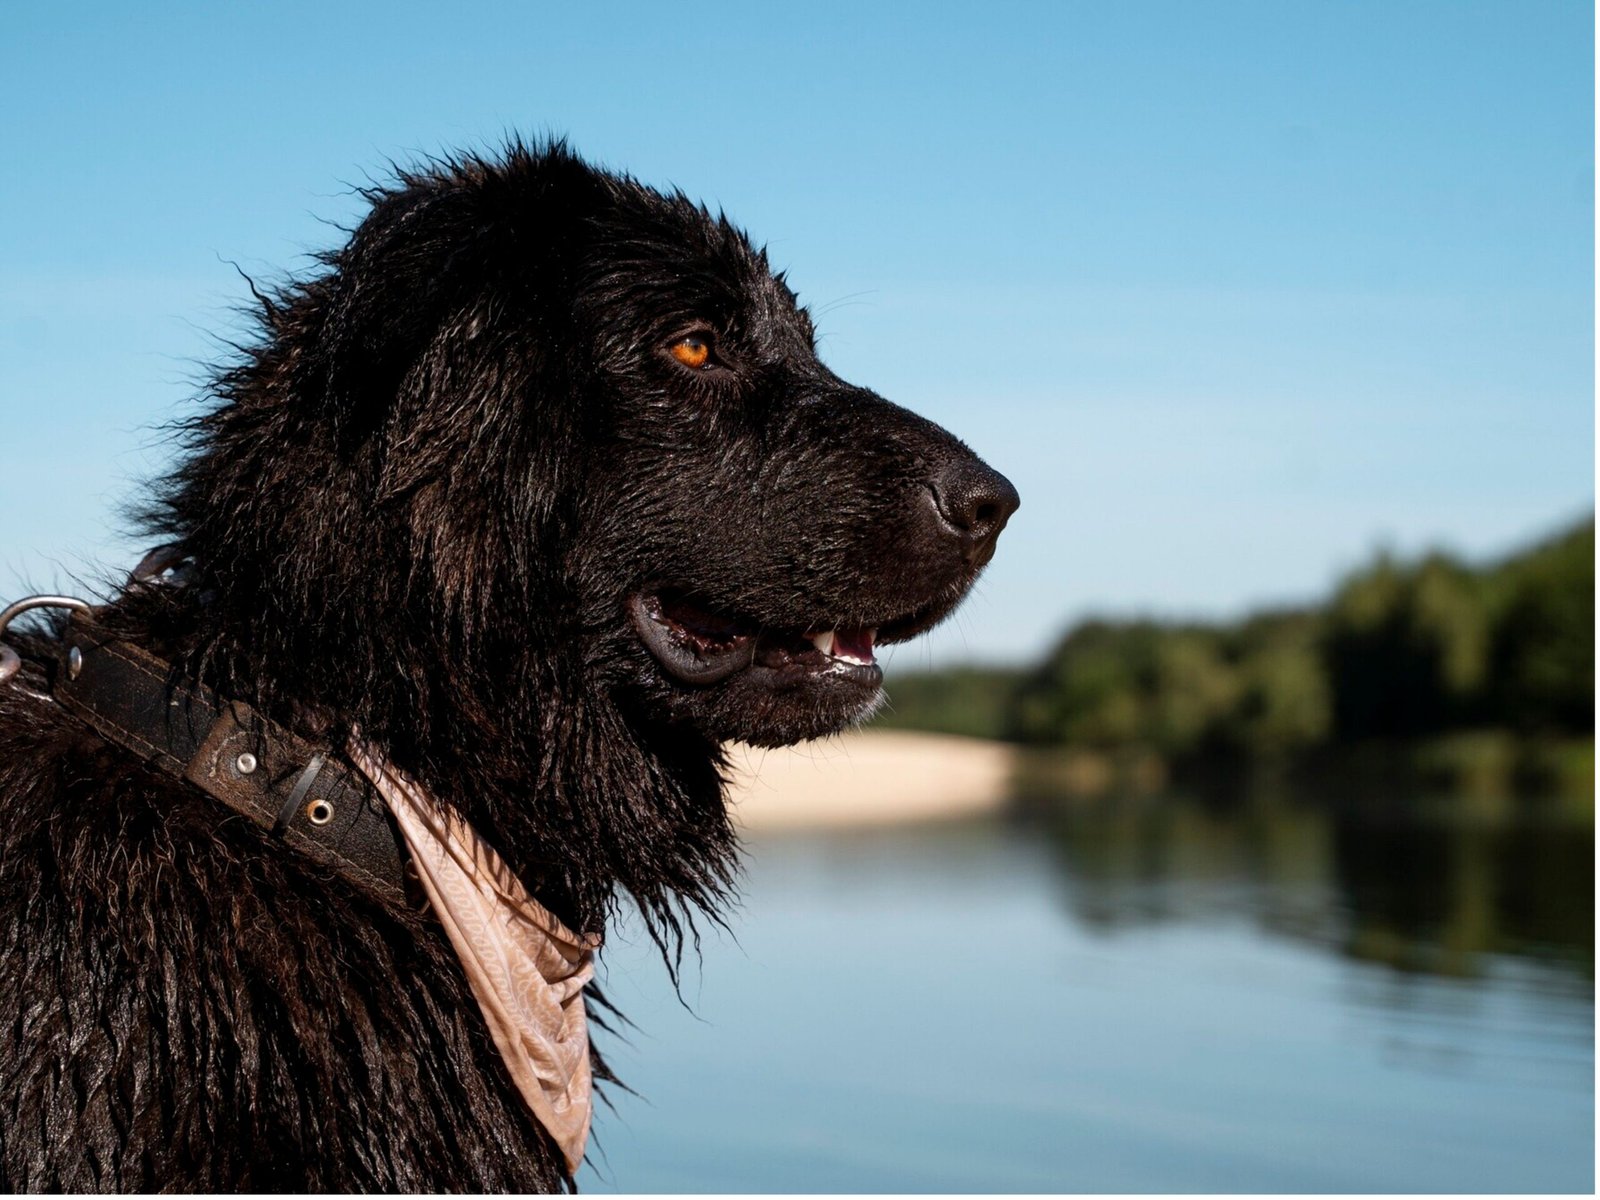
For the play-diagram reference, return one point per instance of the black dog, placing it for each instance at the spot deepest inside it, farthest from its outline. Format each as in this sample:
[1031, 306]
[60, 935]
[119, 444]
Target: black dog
[541, 484]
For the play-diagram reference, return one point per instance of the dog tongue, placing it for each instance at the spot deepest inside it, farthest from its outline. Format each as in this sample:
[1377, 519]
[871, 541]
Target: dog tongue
[854, 644]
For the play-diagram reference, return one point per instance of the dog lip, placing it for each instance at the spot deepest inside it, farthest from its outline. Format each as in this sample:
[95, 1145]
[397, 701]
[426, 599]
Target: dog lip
[692, 660]
[700, 645]
[864, 675]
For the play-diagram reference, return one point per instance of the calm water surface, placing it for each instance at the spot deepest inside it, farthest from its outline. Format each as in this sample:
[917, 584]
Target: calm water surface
[1125, 996]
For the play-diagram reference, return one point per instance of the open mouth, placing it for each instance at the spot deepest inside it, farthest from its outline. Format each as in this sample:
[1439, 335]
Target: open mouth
[699, 645]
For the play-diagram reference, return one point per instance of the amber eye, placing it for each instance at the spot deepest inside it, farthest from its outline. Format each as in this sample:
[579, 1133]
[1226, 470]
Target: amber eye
[692, 351]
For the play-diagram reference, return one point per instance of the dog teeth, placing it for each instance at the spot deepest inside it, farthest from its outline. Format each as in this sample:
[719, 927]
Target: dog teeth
[853, 648]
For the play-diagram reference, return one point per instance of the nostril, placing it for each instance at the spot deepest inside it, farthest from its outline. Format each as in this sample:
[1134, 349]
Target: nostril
[974, 501]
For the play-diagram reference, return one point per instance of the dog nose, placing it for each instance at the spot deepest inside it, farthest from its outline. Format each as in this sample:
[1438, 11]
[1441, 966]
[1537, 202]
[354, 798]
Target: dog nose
[975, 502]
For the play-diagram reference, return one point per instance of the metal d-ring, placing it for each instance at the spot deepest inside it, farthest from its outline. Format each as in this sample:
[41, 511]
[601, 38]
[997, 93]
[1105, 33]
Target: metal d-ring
[10, 660]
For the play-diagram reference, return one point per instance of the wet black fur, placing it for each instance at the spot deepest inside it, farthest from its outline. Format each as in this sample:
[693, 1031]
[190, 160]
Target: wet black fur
[418, 503]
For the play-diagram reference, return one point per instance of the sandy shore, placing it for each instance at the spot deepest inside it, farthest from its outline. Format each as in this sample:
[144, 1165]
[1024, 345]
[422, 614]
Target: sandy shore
[861, 779]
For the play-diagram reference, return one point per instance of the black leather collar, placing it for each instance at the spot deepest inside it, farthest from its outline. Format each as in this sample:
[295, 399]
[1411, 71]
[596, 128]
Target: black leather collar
[306, 795]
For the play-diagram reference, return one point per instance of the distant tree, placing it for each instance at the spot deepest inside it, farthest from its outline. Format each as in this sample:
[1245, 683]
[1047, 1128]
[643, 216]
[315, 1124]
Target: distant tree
[1108, 684]
[970, 701]
[1543, 647]
[1405, 650]
[1087, 690]
[1283, 701]
[1193, 692]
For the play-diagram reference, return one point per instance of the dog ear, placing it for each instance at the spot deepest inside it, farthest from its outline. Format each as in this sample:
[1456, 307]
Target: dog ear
[444, 256]
[458, 405]
[394, 283]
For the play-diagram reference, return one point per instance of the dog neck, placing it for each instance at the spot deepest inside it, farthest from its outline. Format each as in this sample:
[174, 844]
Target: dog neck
[585, 803]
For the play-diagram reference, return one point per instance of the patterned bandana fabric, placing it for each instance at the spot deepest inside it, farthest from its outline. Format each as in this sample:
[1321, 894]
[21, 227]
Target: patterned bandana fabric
[526, 968]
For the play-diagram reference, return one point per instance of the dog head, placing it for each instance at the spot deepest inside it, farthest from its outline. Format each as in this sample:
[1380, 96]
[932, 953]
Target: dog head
[761, 525]
[743, 528]
[557, 417]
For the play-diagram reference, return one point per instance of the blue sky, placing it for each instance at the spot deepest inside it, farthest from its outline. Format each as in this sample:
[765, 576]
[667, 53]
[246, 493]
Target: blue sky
[1234, 292]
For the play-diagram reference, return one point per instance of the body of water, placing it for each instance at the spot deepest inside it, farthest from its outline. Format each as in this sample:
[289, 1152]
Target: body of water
[1141, 995]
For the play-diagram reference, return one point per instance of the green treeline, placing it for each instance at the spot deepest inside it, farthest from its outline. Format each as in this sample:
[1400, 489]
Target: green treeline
[1403, 651]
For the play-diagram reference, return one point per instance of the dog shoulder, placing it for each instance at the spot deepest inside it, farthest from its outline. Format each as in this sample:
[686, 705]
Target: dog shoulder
[177, 992]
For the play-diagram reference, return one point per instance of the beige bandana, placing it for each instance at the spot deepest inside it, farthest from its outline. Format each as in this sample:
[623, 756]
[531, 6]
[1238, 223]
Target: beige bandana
[526, 968]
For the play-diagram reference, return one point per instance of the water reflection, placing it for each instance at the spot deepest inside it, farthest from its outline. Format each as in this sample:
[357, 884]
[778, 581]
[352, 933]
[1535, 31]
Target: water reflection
[1254, 991]
[1415, 887]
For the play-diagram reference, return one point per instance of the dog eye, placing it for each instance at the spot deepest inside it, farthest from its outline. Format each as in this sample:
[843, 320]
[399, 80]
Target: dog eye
[692, 351]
